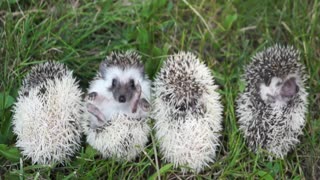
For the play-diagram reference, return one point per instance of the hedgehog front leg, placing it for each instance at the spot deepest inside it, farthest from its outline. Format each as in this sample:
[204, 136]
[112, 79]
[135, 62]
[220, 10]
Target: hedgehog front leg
[136, 98]
[145, 105]
[101, 120]
[137, 102]
[92, 96]
[94, 110]
[96, 98]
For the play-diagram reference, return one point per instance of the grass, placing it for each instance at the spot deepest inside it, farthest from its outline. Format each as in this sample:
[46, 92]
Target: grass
[223, 34]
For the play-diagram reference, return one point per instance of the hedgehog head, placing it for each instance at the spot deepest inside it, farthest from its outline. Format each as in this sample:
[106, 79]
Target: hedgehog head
[183, 81]
[120, 74]
[275, 75]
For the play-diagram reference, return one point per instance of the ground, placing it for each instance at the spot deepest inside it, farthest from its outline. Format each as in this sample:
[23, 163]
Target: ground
[223, 34]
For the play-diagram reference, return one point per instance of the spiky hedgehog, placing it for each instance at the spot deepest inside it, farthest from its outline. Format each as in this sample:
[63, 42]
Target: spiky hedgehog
[47, 114]
[117, 118]
[272, 108]
[187, 112]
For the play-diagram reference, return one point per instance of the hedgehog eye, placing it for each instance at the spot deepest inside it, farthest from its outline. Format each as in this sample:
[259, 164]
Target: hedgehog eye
[132, 83]
[114, 82]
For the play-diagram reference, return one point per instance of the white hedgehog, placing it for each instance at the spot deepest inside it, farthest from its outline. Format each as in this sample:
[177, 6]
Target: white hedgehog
[187, 112]
[47, 114]
[272, 108]
[118, 107]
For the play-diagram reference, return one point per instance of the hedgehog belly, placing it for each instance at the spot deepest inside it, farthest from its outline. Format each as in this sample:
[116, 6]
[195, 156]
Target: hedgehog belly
[124, 139]
[47, 124]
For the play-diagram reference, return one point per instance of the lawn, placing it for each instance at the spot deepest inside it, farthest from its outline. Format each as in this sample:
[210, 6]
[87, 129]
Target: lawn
[223, 34]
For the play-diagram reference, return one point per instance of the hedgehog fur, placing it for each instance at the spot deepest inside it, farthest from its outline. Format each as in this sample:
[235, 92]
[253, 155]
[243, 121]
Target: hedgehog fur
[187, 112]
[271, 110]
[123, 135]
[47, 114]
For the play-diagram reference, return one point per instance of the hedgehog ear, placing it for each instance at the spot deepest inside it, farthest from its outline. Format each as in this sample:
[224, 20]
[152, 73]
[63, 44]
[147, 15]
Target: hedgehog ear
[102, 69]
[289, 88]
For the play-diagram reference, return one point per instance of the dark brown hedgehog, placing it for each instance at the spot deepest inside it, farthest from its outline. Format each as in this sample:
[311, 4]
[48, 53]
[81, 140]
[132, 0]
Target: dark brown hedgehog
[272, 108]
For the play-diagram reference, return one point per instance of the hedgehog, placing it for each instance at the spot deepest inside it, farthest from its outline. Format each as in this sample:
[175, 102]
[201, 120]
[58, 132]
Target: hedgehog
[187, 112]
[117, 106]
[46, 116]
[271, 110]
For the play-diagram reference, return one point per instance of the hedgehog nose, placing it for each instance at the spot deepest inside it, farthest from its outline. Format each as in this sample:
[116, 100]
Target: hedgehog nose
[122, 99]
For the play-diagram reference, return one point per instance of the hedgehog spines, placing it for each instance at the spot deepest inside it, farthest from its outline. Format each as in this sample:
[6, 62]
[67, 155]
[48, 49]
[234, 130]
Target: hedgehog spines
[123, 60]
[47, 123]
[127, 132]
[187, 112]
[266, 119]
[40, 74]
[179, 82]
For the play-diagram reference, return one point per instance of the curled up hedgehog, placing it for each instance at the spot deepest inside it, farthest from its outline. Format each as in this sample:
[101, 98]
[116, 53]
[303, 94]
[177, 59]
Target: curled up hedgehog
[272, 108]
[187, 112]
[118, 107]
[46, 116]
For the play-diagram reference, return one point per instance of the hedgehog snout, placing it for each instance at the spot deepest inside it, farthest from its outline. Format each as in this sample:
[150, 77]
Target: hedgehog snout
[123, 92]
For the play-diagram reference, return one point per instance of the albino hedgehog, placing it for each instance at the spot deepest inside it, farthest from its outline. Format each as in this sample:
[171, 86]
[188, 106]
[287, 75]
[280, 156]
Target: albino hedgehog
[272, 108]
[118, 107]
[187, 112]
[47, 114]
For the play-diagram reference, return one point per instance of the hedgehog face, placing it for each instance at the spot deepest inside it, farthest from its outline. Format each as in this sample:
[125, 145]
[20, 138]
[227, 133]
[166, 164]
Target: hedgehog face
[121, 73]
[122, 91]
[122, 82]
[279, 90]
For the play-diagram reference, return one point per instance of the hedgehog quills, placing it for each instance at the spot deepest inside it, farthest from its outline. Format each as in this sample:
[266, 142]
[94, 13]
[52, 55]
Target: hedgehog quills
[47, 114]
[116, 123]
[271, 110]
[187, 112]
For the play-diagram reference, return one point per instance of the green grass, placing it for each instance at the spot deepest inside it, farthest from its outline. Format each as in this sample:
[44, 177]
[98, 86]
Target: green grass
[223, 34]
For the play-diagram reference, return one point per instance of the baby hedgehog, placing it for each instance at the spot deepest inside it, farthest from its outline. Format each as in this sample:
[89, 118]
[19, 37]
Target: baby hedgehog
[118, 107]
[47, 114]
[187, 112]
[272, 108]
